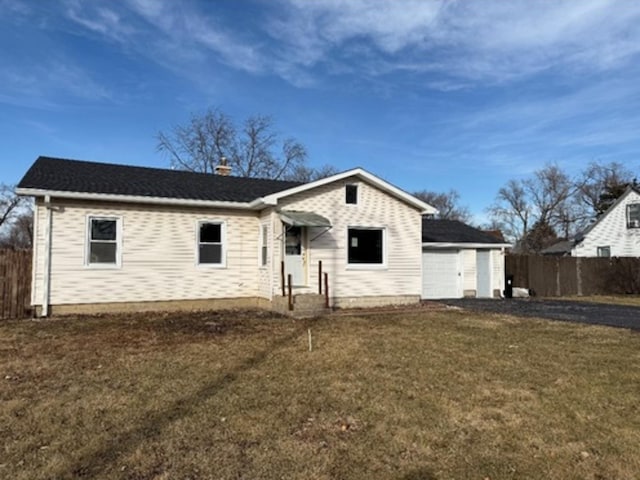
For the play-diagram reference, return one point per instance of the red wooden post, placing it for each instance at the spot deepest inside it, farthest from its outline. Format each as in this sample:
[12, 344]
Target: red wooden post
[290, 296]
[326, 290]
[319, 277]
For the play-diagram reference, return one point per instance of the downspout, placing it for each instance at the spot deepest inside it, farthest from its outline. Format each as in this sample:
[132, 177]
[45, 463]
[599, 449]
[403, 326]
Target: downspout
[46, 279]
[270, 236]
[504, 273]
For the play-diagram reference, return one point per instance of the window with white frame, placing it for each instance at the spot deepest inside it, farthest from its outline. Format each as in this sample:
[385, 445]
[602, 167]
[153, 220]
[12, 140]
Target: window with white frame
[103, 241]
[211, 243]
[633, 215]
[365, 246]
[264, 245]
[604, 251]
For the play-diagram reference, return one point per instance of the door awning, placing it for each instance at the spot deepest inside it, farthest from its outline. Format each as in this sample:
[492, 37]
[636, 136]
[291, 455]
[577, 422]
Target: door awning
[304, 219]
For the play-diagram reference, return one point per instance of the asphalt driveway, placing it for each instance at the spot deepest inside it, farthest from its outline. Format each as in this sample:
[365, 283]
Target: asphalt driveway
[620, 316]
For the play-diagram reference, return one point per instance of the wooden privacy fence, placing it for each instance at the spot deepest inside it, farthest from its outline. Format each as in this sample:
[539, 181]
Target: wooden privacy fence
[560, 276]
[15, 283]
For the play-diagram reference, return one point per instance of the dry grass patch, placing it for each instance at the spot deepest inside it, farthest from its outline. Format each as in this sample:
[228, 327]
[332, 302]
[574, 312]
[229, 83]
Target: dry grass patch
[424, 395]
[630, 300]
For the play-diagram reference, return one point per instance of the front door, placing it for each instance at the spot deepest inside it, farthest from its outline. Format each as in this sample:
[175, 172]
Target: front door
[293, 255]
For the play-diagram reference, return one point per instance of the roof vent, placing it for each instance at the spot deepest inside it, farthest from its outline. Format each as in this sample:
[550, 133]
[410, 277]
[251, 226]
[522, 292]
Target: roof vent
[222, 168]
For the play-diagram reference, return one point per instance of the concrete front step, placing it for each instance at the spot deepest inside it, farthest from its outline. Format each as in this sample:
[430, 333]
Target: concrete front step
[304, 305]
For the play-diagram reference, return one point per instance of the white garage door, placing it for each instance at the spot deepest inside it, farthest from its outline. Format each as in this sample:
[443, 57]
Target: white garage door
[441, 274]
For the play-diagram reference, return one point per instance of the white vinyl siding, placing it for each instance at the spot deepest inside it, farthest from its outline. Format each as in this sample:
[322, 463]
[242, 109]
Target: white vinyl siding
[498, 271]
[402, 275]
[265, 277]
[163, 269]
[612, 231]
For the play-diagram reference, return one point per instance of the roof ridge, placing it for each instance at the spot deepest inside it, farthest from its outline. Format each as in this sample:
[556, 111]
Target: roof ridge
[158, 169]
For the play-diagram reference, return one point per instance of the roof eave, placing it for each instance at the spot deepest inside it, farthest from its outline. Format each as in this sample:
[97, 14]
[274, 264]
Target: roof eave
[424, 208]
[465, 245]
[108, 197]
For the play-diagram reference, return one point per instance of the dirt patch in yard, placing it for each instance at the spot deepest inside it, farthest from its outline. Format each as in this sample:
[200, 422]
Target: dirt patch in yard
[425, 393]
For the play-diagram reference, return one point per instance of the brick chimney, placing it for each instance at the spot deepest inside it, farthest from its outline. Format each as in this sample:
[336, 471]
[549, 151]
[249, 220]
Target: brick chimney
[222, 168]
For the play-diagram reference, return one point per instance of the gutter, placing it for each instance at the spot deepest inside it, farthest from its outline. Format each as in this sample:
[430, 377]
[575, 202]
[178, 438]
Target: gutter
[109, 197]
[464, 245]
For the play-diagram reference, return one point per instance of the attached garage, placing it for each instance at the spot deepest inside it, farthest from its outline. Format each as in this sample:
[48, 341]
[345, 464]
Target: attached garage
[441, 273]
[460, 261]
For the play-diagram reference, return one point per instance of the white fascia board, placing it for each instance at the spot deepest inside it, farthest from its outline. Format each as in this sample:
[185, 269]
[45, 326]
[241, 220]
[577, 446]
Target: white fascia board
[105, 197]
[357, 172]
[464, 245]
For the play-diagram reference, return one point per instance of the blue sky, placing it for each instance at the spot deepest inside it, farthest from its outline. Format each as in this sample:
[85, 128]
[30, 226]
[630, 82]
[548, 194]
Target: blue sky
[426, 94]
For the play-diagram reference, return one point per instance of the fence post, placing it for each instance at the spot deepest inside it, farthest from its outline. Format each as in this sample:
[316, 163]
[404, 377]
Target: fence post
[326, 290]
[319, 277]
[282, 277]
[579, 275]
[290, 293]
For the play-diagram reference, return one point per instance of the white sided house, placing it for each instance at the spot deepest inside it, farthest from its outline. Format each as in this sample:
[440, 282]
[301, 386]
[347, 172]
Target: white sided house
[114, 237]
[460, 261]
[616, 233]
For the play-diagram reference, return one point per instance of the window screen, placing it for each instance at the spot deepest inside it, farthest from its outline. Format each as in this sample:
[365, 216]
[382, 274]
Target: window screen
[103, 241]
[210, 244]
[633, 215]
[263, 245]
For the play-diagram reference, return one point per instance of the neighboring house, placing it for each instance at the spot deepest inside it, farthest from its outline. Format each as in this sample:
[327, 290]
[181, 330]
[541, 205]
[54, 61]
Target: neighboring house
[616, 233]
[459, 260]
[112, 237]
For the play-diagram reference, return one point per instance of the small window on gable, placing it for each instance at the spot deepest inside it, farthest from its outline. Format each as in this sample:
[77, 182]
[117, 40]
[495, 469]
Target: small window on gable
[211, 243]
[103, 238]
[633, 215]
[604, 251]
[351, 194]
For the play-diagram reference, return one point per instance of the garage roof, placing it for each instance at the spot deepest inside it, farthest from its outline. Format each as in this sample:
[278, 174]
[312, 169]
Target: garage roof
[453, 231]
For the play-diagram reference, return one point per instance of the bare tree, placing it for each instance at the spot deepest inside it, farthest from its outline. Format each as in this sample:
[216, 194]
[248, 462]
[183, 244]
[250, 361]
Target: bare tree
[552, 195]
[9, 203]
[16, 219]
[447, 204]
[601, 184]
[540, 236]
[19, 233]
[512, 210]
[305, 174]
[254, 150]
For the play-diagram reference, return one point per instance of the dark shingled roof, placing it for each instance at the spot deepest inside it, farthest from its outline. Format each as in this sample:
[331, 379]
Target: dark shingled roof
[559, 248]
[60, 174]
[453, 231]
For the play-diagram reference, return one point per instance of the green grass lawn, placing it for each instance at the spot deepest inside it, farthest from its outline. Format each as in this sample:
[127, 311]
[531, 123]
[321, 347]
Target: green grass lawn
[237, 395]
